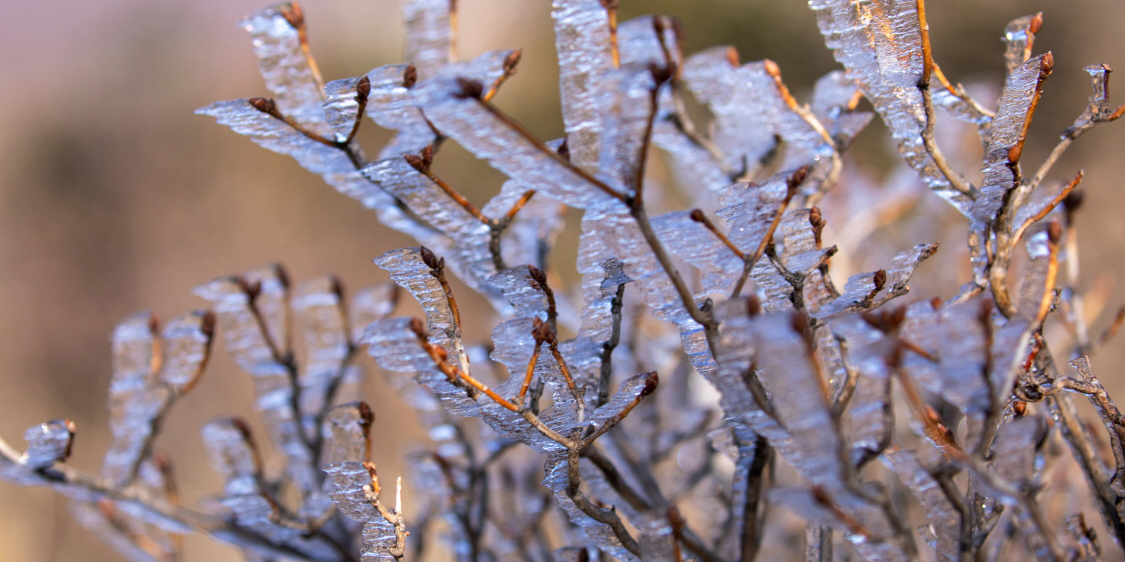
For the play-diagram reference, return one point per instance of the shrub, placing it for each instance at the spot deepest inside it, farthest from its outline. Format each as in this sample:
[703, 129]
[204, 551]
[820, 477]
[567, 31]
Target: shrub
[772, 409]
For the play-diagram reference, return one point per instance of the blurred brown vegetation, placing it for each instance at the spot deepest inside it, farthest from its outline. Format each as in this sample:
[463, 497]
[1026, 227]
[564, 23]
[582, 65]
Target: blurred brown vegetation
[115, 198]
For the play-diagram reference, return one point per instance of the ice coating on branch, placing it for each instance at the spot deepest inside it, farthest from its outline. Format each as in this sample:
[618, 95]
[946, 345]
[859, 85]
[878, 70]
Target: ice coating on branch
[582, 44]
[395, 347]
[861, 292]
[522, 291]
[751, 110]
[468, 236]
[370, 304]
[1009, 128]
[719, 266]
[797, 398]
[1033, 282]
[1015, 448]
[1019, 37]
[390, 105]
[149, 374]
[285, 65]
[235, 457]
[429, 34]
[244, 327]
[880, 44]
[625, 117]
[409, 270]
[341, 107]
[530, 237]
[831, 105]
[941, 514]
[349, 427]
[484, 133]
[869, 419]
[48, 443]
[322, 325]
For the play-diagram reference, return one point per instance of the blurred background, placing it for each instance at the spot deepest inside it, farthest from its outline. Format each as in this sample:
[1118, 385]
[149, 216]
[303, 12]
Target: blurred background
[115, 198]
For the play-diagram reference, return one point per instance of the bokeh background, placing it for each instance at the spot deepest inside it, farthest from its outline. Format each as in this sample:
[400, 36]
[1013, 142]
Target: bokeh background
[115, 198]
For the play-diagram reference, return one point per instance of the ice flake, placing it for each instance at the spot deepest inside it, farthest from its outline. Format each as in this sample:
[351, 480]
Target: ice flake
[468, 236]
[830, 104]
[429, 34]
[583, 47]
[1019, 36]
[624, 120]
[251, 343]
[146, 382]
[484, 133]
[370, 304]
[341, 108]
[322, 323]
[797, 399]
[880, 45]
[346, 450]
[284, 64]
[1033, 281]
[245, 493]
[941, 514]
[1009, 127]
[701, 248]
[751, 110]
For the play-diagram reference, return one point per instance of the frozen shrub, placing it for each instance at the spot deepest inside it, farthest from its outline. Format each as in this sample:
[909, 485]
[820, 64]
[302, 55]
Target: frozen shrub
[707, 391]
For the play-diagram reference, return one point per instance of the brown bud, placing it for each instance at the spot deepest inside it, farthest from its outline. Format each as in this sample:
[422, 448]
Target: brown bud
[207, 323]
[366, 416]
[564, 151]
[753, 306]
[820, 496]
[362, 89]
[1036, 23]
[936, 303]
[409, 77]
[415, 162]
[418, 327]
[651, 382]
[1046, 65]
[831, 251]
[1073, 201]
[511, 61]
[879, 279]
[1054, 232]
[469, 89]
[698, 216]
[294, 15]
[537, 275]
[265, 105]
[427, 155]
[661, 73]
[797, 178]
[1019, 408]
[610, 4]
[428, 257]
